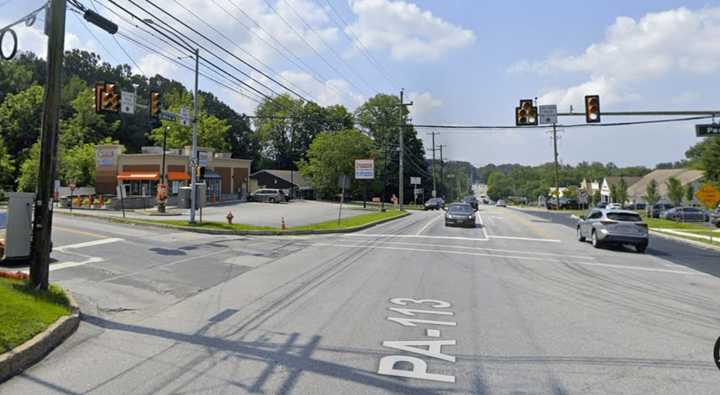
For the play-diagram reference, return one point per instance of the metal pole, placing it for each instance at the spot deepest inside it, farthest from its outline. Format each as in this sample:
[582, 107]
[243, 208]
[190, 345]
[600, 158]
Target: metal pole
[442, 167]
[402, 149]
[557, 171]
[162, 177]
[434, 172]
[193, 161]
[47, 169]
[384, 181]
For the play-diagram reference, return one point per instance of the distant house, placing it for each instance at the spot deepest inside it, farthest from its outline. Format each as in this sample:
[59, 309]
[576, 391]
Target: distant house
[590, 186]
[685, 176]
[282, 179]
[609, 181]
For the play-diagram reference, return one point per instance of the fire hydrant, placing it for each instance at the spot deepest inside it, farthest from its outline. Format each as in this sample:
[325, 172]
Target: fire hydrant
[283, 226]
[230, 217]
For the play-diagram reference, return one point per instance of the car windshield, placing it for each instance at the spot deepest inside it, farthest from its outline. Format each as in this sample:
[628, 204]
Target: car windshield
[466, 196]
[460, 209]
[624, 217]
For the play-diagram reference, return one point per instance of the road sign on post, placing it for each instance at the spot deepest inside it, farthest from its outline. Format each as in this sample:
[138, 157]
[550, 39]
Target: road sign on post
[706, 130]
[709, 195]
[184, 116]
[127, 102]
[364, 169]
[168, 116]
[415, 180]
[547, 114]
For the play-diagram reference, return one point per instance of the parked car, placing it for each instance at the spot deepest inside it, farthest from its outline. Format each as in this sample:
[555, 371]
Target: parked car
[461, 214]
[636, 206]
[715, 217]
[500, 203]
[471, 200]
[686, 214]
[655, 210]
[614, 206]
[602, 205]
[269, 195]
[565, 204]
[605, 226]
[434, 203]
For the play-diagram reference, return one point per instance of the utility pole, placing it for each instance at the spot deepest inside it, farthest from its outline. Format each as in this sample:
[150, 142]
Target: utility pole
[402, 147]
[557, 171]
[193, 160]
[47, 170]
[434, 172]
[442, 165]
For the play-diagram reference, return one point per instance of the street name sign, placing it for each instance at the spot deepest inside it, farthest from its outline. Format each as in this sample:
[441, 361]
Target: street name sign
[547, 114]
[168, 116]
[709, 195]
[706, 130]
[415, 180]
[364, 169]
[343, 182]
[127, 102]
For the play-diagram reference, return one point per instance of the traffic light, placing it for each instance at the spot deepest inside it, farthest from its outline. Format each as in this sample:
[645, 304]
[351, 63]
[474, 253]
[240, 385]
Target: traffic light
[155, 104]
[592, 109]
[99, 90]
[110, 101]
[526, 114]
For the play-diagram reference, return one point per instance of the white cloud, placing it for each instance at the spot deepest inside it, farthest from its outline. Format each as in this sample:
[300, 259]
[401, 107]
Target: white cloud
[153, 64]
[655, 46]
[424, 105]
[333, 91]
[32, 38]
[406, 30]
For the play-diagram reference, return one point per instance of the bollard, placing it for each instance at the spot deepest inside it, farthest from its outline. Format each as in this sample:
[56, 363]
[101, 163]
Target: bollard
[230, 217]
[283, 226]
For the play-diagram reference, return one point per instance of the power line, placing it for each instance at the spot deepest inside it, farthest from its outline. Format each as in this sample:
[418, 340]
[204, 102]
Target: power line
[224, 50]
[231, 41]
[310, 46]
[92, 2]
[328, 46]
[359, 44]
[577, 125]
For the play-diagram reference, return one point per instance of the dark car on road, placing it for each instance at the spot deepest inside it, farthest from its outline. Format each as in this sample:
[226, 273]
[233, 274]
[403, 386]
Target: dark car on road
[461, 214]
[715, 217]
[620, 227]
[269, 195]
[686, 214]
[656, 209]
[434, 204]
[471, 200]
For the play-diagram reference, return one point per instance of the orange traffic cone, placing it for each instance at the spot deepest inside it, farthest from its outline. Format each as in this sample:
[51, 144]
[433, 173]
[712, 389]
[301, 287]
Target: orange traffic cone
[283, 226]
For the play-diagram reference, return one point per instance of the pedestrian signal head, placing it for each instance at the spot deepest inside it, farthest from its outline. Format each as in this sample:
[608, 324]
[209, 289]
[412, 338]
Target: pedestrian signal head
[592, 109]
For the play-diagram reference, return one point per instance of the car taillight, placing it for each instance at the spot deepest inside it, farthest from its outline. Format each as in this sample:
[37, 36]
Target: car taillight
[608, 222]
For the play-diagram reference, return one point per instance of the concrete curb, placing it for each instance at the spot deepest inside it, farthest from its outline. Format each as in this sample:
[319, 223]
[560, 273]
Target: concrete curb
[694, 243]
[150, 224]
[32, 351]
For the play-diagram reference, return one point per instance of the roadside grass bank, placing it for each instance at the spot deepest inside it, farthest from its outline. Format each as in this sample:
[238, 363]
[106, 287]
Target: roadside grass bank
[25, 312]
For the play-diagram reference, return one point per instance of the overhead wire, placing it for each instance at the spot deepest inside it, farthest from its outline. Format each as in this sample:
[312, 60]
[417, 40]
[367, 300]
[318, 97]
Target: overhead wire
[92, 2]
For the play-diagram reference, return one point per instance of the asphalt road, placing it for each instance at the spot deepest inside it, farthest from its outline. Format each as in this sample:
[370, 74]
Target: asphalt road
[515, 305]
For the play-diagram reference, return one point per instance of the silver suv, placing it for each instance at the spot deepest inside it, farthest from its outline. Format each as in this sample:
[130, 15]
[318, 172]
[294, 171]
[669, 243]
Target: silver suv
[603, 226]
[269, 195]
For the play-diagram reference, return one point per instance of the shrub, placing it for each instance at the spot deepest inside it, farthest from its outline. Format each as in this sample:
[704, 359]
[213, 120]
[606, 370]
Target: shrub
[14, 276]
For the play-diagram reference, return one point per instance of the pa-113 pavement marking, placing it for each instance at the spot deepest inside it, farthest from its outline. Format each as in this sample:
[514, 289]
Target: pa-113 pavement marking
[427, 348]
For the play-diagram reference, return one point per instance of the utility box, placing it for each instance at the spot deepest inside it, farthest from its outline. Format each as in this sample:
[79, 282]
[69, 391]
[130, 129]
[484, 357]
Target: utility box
[19, 226]
[185, 193]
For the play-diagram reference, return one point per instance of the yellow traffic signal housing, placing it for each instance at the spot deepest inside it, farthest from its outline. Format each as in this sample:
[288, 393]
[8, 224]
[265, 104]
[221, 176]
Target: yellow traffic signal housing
[109, 100]
[155, 104]
[526, 114]
[99, 91]
[592, 109]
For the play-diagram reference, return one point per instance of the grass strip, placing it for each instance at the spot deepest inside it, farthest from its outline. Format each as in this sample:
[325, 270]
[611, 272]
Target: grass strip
[25, 312]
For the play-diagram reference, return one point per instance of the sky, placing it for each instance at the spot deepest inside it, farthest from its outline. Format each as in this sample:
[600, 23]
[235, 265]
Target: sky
[459, 61]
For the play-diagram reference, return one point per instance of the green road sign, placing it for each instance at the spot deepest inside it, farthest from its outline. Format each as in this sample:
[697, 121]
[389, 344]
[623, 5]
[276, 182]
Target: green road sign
[707, 130]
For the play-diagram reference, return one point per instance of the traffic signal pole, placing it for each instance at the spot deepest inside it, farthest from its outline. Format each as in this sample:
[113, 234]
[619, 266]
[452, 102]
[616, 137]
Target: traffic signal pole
[557, 170]
[193, 160]
[47, 170]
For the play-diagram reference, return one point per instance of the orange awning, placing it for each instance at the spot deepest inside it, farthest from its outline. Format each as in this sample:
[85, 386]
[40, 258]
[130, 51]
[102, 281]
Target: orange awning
[178, 176]
[130, 176]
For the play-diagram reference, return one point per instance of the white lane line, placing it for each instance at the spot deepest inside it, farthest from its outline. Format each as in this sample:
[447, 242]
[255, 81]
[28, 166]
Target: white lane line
[587, 257]
[66, 265]
[527, 258]
[427, 225]
[526, 239]
[378, 235]
[88, 244]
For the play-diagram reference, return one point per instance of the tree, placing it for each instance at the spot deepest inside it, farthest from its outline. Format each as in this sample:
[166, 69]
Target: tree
[651, 193]
[613, 193]
[571, 192]
[27, 180]
[675, 191]
[596, 197]
[689, 193]
[622, 191]
[20, 123]
[78, 164]
[6, 167]
[332, 154]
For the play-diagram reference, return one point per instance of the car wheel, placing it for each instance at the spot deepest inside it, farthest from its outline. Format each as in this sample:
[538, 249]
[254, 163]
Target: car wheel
[595, 242]
[271, 200]
[580, 236]
[640, 248]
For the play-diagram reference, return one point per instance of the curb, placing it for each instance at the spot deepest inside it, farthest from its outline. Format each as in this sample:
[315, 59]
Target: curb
[151, 224]
[32, 351]
[694, 243]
